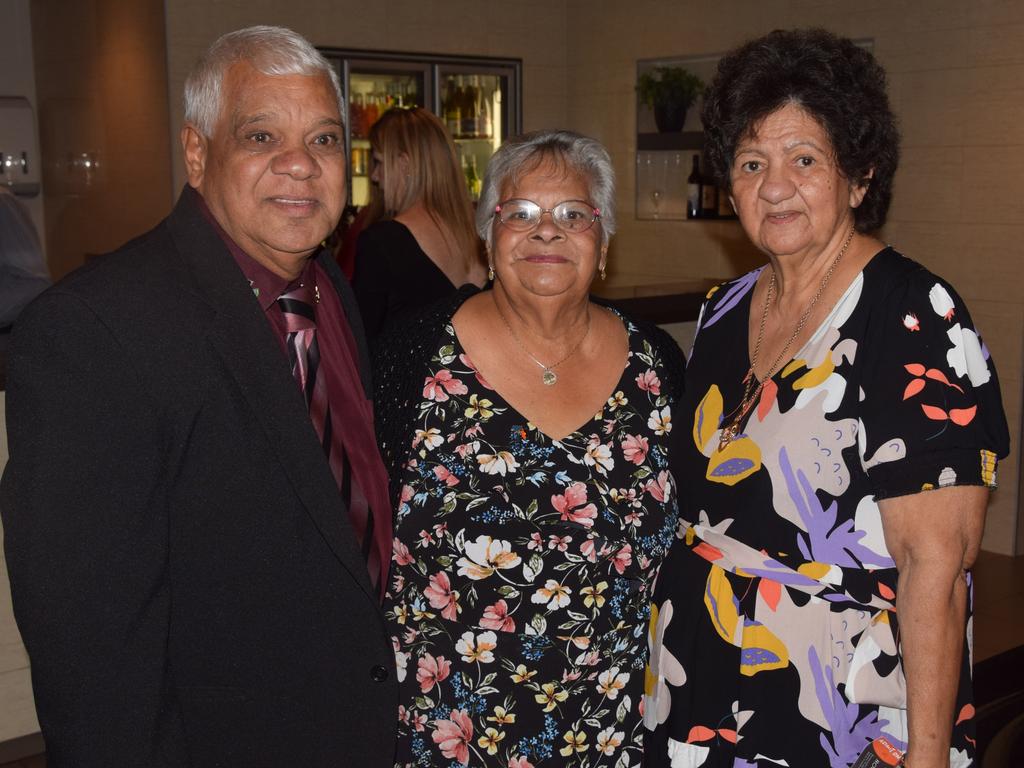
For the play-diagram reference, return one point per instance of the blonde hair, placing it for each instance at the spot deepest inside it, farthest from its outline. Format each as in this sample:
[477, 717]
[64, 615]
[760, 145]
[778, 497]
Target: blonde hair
[434, 176]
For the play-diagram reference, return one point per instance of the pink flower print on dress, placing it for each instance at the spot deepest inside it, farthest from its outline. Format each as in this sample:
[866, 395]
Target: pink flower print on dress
[454, 736]
[561, 543]
[635, 448]
[623, 559]
[446, 477]
[571, 505]
[431, 671]
[660, 489]
[648, 381]
[400, 553]
[442, 384]
[496, 617]
[464, 359]
[442, 597]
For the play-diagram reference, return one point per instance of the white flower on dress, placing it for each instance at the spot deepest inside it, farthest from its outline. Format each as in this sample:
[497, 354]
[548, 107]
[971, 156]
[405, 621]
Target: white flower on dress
[554, 594]
[401, 660]
[965, 356]
[497, 464]
[942, 302]
[661, 421]
[431, 438]
[910, 322]
[477, 648]
[609, 740]
[598, 455]
[611, 681]
[485, 555]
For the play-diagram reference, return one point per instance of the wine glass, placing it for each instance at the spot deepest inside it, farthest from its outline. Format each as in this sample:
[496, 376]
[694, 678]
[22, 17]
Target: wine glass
[657, 184]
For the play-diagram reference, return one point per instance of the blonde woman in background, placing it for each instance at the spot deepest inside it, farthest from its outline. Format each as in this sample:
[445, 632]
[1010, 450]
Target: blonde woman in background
[420, 243]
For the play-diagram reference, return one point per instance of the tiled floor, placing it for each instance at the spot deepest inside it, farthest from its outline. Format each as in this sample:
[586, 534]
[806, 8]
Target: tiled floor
[998, 617]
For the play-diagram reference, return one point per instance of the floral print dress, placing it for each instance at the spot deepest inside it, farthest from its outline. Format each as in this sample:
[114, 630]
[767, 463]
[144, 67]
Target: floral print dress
[522, 571]
[775, 640]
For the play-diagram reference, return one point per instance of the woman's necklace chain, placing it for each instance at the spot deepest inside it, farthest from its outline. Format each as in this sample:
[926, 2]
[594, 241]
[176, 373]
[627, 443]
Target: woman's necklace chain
[752, 386]
[548, 375]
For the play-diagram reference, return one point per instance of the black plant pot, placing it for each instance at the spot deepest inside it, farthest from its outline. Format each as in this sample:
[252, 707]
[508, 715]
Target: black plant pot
[670, 116]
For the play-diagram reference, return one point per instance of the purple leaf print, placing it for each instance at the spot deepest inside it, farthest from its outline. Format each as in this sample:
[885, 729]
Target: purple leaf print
[825, 541]
[732, 296]
[849, 735]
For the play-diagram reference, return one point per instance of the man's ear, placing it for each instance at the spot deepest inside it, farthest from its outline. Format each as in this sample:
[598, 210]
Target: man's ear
[195, 145]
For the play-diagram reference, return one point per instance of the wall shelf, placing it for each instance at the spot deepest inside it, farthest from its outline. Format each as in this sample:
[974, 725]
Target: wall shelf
[670, 142]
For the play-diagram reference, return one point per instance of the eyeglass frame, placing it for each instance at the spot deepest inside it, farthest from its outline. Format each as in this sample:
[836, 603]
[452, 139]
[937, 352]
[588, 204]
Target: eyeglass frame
[595, 211]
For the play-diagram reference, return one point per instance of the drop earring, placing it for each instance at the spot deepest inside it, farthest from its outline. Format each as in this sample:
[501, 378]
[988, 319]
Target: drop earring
[603, 273]
[490, 273]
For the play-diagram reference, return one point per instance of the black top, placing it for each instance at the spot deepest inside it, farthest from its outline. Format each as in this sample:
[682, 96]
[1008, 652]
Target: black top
[393, 276]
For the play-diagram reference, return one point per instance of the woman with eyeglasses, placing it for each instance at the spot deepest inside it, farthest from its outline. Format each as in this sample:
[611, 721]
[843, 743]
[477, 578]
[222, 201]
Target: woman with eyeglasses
[526, 429]
[418, 243]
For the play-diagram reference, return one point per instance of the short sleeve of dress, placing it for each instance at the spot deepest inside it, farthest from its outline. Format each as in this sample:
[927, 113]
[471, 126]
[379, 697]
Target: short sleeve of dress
[931, 415]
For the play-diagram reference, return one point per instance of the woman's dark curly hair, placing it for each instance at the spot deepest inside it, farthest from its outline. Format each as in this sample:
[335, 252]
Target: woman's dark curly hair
[838, 83]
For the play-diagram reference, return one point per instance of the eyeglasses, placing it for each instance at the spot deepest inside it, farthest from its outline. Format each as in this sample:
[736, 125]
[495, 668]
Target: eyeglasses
[572, 216]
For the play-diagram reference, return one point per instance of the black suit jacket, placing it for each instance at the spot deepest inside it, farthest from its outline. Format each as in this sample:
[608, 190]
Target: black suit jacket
[184, 577]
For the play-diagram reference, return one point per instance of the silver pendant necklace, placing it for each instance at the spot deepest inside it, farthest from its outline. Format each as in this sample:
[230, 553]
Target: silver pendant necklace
[548, 375]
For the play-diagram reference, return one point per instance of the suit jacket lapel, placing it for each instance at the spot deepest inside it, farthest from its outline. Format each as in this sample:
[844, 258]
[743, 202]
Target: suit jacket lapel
[242, 337]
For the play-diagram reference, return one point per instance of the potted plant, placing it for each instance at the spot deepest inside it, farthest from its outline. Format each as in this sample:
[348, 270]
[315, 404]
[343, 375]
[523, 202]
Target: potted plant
[669, 91]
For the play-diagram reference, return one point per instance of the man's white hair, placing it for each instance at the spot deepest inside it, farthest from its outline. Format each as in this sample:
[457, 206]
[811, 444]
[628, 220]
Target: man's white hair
[270, 50]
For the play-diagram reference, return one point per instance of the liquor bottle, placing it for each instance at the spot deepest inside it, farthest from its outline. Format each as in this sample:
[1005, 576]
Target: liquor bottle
[469, 126]
[372, 111]
[473, 182]
[357, 117]
[452, 115]
[460, 100]
[485, 115]
[478, 181]
[708, 198]
[693, 191]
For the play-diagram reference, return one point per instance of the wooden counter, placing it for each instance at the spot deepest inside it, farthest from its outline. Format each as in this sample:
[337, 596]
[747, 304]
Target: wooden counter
[656, 298]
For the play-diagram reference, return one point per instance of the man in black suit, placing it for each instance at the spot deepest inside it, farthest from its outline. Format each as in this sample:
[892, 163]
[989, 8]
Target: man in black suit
[197, 542]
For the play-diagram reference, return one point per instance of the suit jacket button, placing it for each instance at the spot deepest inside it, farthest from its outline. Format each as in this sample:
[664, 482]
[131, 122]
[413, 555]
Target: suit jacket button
[378, 673]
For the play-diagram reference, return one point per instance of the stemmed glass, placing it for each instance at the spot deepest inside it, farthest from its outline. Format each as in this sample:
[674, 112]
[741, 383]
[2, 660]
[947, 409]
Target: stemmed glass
[656, 175]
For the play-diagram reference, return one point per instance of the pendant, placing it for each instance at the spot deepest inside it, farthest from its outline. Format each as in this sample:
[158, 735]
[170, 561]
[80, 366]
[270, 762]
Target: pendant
[549, 377]
[728, 435]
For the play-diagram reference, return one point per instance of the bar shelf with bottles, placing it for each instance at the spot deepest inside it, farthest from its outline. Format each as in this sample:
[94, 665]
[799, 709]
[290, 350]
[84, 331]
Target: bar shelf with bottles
[671, 176]
[478, 98]
[674, 186]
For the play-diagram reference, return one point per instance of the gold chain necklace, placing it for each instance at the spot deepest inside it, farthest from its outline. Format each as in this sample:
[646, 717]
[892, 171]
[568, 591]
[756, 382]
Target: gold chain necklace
[548, 375]
[752, 386]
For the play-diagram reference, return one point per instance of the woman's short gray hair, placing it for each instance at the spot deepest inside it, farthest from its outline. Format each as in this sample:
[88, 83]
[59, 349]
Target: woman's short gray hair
[271, 50]
[523, 154]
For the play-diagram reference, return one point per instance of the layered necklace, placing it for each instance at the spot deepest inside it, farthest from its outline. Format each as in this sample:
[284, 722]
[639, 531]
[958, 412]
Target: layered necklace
[548, 375]
[752, 386]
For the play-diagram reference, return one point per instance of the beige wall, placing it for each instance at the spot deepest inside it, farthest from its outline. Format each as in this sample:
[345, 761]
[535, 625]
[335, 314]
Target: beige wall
[957, 83]
[534, 31]
[101, 80]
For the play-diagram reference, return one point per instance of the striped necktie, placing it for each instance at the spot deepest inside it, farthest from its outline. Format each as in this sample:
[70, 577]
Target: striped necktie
[304, 359]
